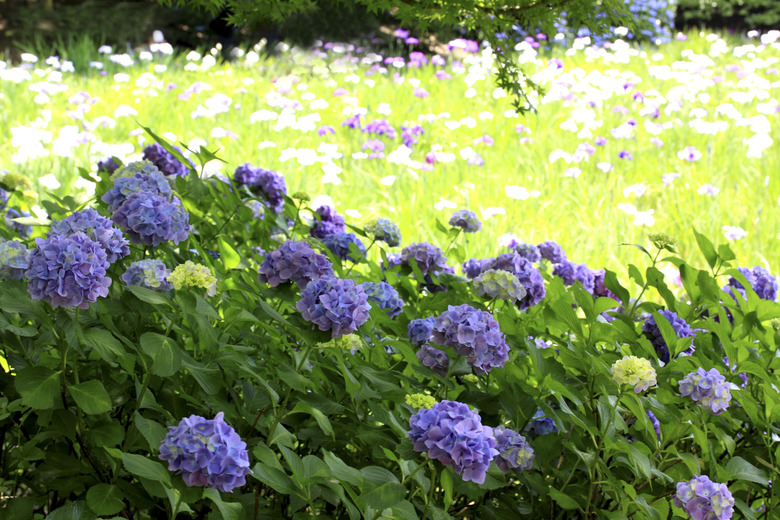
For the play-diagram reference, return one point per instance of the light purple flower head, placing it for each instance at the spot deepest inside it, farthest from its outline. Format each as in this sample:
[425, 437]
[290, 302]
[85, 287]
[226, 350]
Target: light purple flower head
[266, 183]
[334, 304]
[571, 272]
[472, 333]
[473, 267]
[552, 252]
[653, 333]
[420, 330]
[528, 251]
[709, 388]
[151, 219]
[339, 244]
[514, 453]
[384, 230]
[528, 275]
[454, 435]
[207, 453]
[14, 259]
[96, 227]
[68, 271]
[329, 223]
[704, 499]
[293, 262]
[433, 358]
[429, 258]
[151, 274]
[124, 186]
[384, 296]
[763, 284]
[541, 425]
[466, 220]
[165, 161]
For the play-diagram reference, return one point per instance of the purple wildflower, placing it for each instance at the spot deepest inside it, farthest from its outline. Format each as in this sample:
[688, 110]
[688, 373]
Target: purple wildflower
[429, 258]
[656, 424]
[293, 261]
[380, 127]
[109, 164]
[334, 304]
[472, 333]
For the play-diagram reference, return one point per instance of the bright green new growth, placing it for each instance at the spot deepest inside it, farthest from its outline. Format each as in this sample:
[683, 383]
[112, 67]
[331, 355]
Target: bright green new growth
[635, 372]
[420, 401]
[190, 274]
[350, 342]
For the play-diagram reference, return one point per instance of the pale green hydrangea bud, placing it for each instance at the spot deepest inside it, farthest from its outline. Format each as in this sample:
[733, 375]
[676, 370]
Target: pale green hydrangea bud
[471, 378]
[190, 274]
[351, 342]
[662, 240]
[499, 284]
[420, 401]
[634, 371]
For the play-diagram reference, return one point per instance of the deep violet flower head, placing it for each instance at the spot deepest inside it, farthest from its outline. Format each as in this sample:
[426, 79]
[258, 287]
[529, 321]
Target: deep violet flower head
[528, 275]
[329, 223]
[433, 358]
[528, 251]
[599, 289]
[704, 499]
[472, 333]
[23, 230]
[96, 227]
[293, 262]
[384, 296]
[165, 161]
[334, 304]
[763, 284]
[653, 333]
[503, 285]
[454, 435]
[206, 452]
[552, 252]
[384, 230]
[708, 388]
[540, 425]
[473, 267]
[109, 164]
[514, 453]
[571, 273]
[151, 219]
[152, 181]
[151, 274]
[466, 220]
[68, 271]
[339, 244]
[266, 183]
[420, 330]
[429, 258]
[14, 259]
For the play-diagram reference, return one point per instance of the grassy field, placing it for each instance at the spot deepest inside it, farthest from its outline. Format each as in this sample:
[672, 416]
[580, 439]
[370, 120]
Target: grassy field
[650, 105]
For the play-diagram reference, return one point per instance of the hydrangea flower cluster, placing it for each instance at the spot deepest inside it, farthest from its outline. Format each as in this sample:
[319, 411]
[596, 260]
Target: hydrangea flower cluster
[133, 168]
[541, 425]
[257, 208]
[599, 289]
[552, 252]
[151, 181]
[472, 333]
[466, 220]
[528, 251]
[472, 267]
[260, 181]
[704, 499]
[14, 259]
[418, 401]
[330, 223]
[96, 227]
[384, 296]
[709, 388]
[206, 452]
[109, 165]
[350, 342]
[653, 332]
[433, 358]
[528, 275]
[339, 243]
[429, 258]
[190, 274]
[165, 161]
[151, 219]
[68, 271]
[635, 372]
[420, 330]
[514, 453]
[499, 284]
[295, 262]
[151, 274]
[763, 284]
[571, 272]
[334, 304]
[384, 230]
[454, 435]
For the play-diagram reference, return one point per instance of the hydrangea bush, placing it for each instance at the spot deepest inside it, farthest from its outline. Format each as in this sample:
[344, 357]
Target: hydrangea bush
[220, 365]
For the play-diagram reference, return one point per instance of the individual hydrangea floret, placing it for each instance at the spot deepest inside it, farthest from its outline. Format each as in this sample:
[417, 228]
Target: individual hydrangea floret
[552, 252]
[151, 219]
[525, 271]
[570, 273]
[151, 274]
[514, 453]
[190, 274]
[207, 453]
[384, 230]
[384, 296]
[454, 435]
[96, 227]
[761, 281]
[14, 259]
[329, 223]
[541, 425]
[653, 332]
[420, 330]
[635, 372]
[260, 181]
[418, 401]
[528, 251]
[472, 333]
[124, 186]
[68, 271]
[334, 304]
[293, 261]
[434, 358]
[165, 161]
[466, 220]
[499, 284]
[23, 230]
[704, 499]
[473, 267]
[339, 244]
[708, 388]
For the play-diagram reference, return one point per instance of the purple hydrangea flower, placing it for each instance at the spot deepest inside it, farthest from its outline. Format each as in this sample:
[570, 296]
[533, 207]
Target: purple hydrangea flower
[454, 435]
[704, 499]
[96, 227]
[68, 271]
[334, 304]
[109, 164]
[708, 388]
[653, 332]
[599, 289]
[257, 208]
[329, 223]
[656, 424]
[571, 272]
[339, 243]
[151, 219]
[763, 284]
[540, 425]
[268, 183]
[528, 251]
[513, 451]
[384, 296]
[152, 274]
[429, 258]
[130, 169]
[14, 259]
[206, 452]
[152, 181]
[434, 359]
[165, 161]
[528, 275]
[293, 261]
[472, 333]
[384, 230]
[22, 230]
[420, 330]
[466, 220]
[552, 252]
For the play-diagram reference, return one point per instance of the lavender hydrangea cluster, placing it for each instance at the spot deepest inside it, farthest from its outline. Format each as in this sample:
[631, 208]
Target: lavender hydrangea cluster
[151, 274]
[528, 275]
[293, 262]
[704, 499]
[124, 186]
[454, 435]
[570, 273]
[14, 259]
[68, 271]
[260, 181]
[206, 453]
[599, 289]
[472, 333]
[434, 358]
[151, 219]
[528, 251]
[760, 280]
[165, 161]
[384, 230]
[540, 425]
[384, 296]
[552, 252]
[429, 258]
[334, 304]
[109, 165]
[499, 284]
[329, 223]
[420, 330]
[514, 453]
[339, 244]
[653, 333]
[708, 388]
[466, 220]
[472, 267]
[96, 227]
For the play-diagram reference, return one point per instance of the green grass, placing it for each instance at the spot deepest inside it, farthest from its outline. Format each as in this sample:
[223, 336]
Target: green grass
[580, 213]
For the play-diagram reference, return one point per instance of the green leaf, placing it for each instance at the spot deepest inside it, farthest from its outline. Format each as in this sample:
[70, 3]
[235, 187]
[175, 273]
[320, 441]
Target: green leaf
[563, 500]
[153, 432]
[340, 470]
[740, 469]
[39, 387]
[91, 396]
[447, 485]
[105, 344]
[141, 466]
[230, 258]
[105, 499]
[322, 421]
[168, 147]
[72, 511]
[381, 488]
[274, 478]
[148, 295]
[164, 351]
[706, 248]
[228, 510]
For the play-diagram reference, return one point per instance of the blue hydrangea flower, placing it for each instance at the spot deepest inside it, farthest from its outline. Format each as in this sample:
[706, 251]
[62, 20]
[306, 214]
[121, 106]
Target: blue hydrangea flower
[339, 243]
[499, 284]
[434, 359]
[165, 161]
[152, 274]
[656, 424]
[257, 207]
[466, 220]
[131, 169]
[96, 227]
[68, 271]
[454, 435]
[514, 453]
[260, 181]
[330, 223]
[528, 275]
[653, 333]
[384, 230]
[23, 230]
[528, 251]
[552, 252]
[206, 453]
[151, 219]
[540, 425]
[384, 296]
[14, 259]
[473, 267]
[704, 499]
[420, 330]
[571, 272]
[334, 304]
[109, 164]
[293, 261]
[763, 284]
[708, 388]
[151, 181]
[429, 258]
[472, 333]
